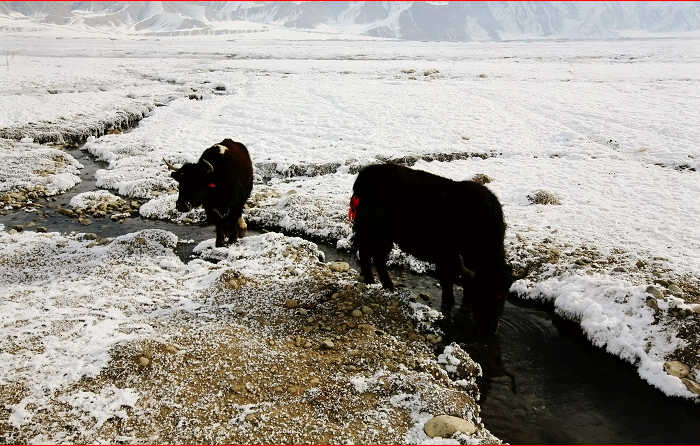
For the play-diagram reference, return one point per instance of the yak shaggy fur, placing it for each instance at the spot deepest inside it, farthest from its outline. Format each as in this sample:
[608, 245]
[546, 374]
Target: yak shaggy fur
[457, 225]
[221, 182]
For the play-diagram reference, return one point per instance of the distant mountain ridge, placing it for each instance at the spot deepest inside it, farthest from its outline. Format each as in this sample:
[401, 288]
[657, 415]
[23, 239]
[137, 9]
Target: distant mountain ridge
[452, 21]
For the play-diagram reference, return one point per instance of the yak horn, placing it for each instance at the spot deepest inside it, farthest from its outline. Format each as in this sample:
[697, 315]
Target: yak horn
[467, 272]
[208, 164]
[170, 165]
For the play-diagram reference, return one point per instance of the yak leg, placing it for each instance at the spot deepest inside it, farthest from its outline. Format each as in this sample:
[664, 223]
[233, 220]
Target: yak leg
[242, 226]
[380, 255]
[469, 282]
[467, 294]
[446, 271]
[213, 216]
[220, 235]
[232, 229]
[366, 266]
[364, 245]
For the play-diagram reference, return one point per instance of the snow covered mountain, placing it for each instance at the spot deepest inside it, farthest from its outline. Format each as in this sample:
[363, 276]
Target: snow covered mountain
[453, 21]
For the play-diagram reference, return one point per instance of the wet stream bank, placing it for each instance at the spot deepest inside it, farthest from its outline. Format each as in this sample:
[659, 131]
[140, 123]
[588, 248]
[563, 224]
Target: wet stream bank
[566, 390]
[546, 383]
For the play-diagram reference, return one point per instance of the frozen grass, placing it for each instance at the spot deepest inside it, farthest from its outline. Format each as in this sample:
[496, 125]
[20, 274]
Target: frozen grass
[31, 166]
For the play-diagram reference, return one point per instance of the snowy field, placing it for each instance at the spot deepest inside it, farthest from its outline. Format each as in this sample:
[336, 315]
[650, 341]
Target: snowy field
[608, 130]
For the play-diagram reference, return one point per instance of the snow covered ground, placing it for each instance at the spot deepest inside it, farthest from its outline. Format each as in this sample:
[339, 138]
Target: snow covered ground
[99, 336]
[609, 128]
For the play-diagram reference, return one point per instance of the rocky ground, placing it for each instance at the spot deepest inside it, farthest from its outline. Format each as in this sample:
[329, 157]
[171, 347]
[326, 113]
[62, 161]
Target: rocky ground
[267, 345]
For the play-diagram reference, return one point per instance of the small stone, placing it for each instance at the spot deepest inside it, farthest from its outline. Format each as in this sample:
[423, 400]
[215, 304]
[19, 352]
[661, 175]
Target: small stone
[295, 390]
[171, 348]
[85, 221]
[367, 328]
[640, 264]
[620, 269]
[18, 228]
[445, 426]
[356, 313]
[652, 290]
[691, 385]
[327, 344]
[339, 267]
[252, 418]
[307, 344]
[676, 368]
[134, 204]
[120, 216]
[290, 303]
[366, 309]
[651, 303]
[314, 381]
[675, 290]
[41, 229]
[543, 197]
[89, 236]
[143, 361]
[31, 224]
[433, 339]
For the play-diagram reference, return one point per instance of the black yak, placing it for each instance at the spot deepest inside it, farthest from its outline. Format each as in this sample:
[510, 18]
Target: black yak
[457, 225]
[221, 182]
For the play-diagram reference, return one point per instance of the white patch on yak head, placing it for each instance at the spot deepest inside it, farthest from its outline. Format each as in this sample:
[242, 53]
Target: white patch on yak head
[222, 149]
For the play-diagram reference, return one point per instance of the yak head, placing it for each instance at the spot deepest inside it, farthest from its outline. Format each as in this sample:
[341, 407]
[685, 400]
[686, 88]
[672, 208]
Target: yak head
[195, 181]
[488, 310]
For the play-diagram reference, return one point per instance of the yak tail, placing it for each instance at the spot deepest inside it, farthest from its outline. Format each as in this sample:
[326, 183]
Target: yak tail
[467, 272]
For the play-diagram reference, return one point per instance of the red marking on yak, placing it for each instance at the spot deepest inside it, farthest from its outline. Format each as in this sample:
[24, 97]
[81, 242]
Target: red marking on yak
[352, 212]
